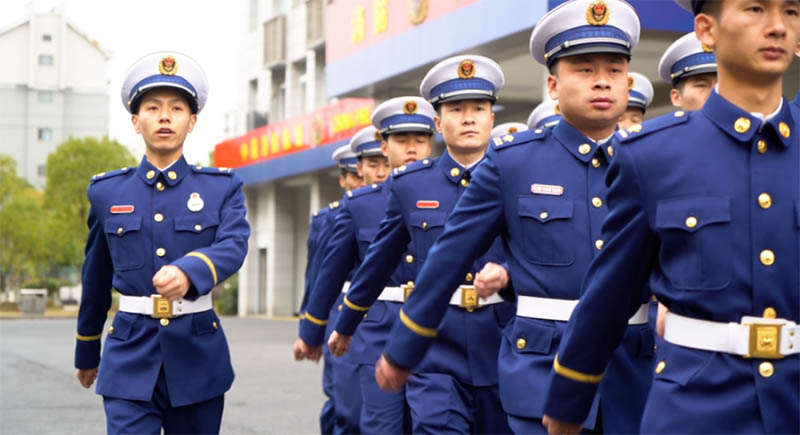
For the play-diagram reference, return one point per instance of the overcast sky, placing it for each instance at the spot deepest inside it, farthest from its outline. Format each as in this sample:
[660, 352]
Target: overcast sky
[209, 31]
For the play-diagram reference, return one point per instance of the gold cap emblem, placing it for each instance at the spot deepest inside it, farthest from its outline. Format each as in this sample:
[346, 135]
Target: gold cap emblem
[410, 107]
[512, 130]
[557, 110]
[466, 69]
[706, 48]
[168, 66]
[378, 136]
[597, 14]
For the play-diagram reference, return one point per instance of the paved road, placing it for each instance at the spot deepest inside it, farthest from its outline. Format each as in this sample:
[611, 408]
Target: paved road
[39, 393]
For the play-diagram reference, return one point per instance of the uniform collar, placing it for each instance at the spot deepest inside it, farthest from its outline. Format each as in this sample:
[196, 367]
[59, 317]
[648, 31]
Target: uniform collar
[575, 142]
[453, 170]
[171, 175]
[742, 125]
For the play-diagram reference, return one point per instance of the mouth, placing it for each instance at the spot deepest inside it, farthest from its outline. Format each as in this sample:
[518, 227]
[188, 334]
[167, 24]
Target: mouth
[601, 102]
[410, 160]
[773, 52]
[469, 133]
[164, 133]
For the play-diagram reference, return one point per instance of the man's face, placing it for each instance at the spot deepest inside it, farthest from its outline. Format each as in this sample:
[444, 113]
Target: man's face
[405, 148]
[350, 181]
[632, 115]
[373, 169]
[164, 119]
[693, 91]
[752, 39]
[466, 125]
[592, 89]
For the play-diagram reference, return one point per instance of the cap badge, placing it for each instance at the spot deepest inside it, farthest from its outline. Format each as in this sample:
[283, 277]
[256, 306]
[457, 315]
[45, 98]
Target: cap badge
[466, 69]
[512, 130]
[195, 203]
[597, 14]
[630, 83]
[706, 48]
[378, 136]
[410, 107]
[168, 66]
[557, 110]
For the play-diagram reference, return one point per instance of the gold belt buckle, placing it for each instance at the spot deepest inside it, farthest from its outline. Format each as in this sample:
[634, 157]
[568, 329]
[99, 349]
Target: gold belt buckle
[469, 298]
[765, 341]
[407, 289]
[162, 308]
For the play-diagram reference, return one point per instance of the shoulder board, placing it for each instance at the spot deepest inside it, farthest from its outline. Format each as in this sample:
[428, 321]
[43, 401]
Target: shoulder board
[105, 175]
[320, 212]
[363, 191]
[334, 205]
[653, 125]
[211, 170]
[413, 167]
[509, 140]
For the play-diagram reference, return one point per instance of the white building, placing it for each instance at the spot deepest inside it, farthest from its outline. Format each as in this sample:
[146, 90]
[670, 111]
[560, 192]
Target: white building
[53, 85]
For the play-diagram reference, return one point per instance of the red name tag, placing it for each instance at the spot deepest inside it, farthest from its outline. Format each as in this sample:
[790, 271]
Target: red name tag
[121, 209]
[427, 204]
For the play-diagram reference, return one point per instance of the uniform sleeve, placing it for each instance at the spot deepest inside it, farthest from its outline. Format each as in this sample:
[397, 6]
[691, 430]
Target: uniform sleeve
[613, 290]
[341, 250]
[310, 273]
[469, 231]
[381, 259]
[206, 267]
[96, 281]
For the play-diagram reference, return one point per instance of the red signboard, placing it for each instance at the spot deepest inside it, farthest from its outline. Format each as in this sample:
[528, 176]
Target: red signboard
[328, 124]
[353, 25]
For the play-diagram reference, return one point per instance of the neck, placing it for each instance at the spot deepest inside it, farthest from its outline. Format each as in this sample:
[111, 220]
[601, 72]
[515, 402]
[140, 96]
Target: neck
[595, 132]
[466, 158]
[162, 159]
[749, 93]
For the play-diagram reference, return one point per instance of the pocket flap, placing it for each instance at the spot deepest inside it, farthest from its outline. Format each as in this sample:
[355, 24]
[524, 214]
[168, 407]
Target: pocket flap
[122, 324]
[120, 225]
[538, 337]
[691, 214]
[680, 364]
[196, 222]
[367, 234]
[545, 209]
[205, 322]
[426, 220]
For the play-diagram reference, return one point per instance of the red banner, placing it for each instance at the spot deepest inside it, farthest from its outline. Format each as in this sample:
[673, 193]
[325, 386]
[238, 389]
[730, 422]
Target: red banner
[328, 124]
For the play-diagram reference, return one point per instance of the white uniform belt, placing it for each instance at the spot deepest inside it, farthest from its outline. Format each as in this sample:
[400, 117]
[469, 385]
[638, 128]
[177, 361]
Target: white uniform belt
[753, 337]
[465, 297]
[560, 309]
[156, 306]
[392, 294]
[346, 287]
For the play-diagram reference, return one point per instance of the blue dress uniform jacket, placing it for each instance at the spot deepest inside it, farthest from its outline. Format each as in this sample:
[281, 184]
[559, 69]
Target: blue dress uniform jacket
[689, 216]
[551, 239]
[420, 198]
[312, 242]
[124, 251]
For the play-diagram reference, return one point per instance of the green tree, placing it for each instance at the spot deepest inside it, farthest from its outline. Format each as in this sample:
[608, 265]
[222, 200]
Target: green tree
[69, 170]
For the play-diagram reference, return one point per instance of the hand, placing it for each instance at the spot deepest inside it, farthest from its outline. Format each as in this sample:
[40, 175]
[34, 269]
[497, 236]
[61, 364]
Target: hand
[661, 319]
[389, 377]
[303, 351]
[491, 279]
[171, 283]
[87, 377]
[339, 343]
[554, 426]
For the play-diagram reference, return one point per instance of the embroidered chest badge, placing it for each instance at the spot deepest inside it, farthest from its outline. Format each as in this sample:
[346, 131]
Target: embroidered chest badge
[195, 203]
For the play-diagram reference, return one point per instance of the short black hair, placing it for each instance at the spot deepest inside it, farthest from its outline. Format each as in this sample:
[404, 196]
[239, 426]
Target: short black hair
[712, 7]
[190, 101]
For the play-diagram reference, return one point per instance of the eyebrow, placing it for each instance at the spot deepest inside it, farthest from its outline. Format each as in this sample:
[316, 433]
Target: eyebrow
[158, 100]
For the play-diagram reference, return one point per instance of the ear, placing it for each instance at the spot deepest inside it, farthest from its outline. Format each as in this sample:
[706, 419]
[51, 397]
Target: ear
[552, 86]
[360, 168]
[705, 26]
[675, 97]
[438, 121]
[385, 147]
[192, 122]
[342, 182]
[135, 123]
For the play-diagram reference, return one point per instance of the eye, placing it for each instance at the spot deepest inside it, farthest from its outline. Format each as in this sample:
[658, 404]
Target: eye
[755, 8]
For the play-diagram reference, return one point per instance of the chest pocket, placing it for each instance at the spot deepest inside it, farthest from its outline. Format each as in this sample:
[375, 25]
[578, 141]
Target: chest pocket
[548, 230]
[426, 226]
[196, 230]
[365, 237]
[125, 242]
[696, 242]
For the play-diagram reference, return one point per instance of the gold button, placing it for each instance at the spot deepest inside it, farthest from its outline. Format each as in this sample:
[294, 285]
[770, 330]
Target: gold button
[164, 322]
[409, 258]
[660, 366]
[158, 217]
[762, 147]
[610, 150]
[679, 113]
[424, 224]
[469, 277]
[766, 369]
[160, 186]
[161, 252]
[172, 175]
[769, 313]
[120, 230]
[215, 325]
[464, 182]
[598, 244]
[784, 129]
[584, 149]
[455, 172]
[110, 330]
[521, 343]
[543, 215]
[767, 257]
[764, 200]
[597, 202]
[339, 307]
[691, 222]
[596, 162]
[741, 125]
[150, 174]
[198, 227]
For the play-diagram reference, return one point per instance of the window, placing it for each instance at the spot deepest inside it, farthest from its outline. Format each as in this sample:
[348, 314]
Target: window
[45, 134]
[47, 38]
[41, 171]
[45, 96]
[46, 59]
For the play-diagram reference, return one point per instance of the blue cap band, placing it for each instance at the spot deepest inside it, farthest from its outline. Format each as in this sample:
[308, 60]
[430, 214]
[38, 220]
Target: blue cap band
[371, 148]
[548, 121]
[484, 89]
[162, 80]
[683, 67]
[407, 123]
[585, 37]
[637, 99]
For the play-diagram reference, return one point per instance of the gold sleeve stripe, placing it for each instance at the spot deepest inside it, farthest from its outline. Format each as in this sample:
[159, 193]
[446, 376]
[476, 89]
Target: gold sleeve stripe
[313, 319]
[208, 262]
[302, 316]
[576, 375]
[353, 306]
[416, 327]
[89, 337]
